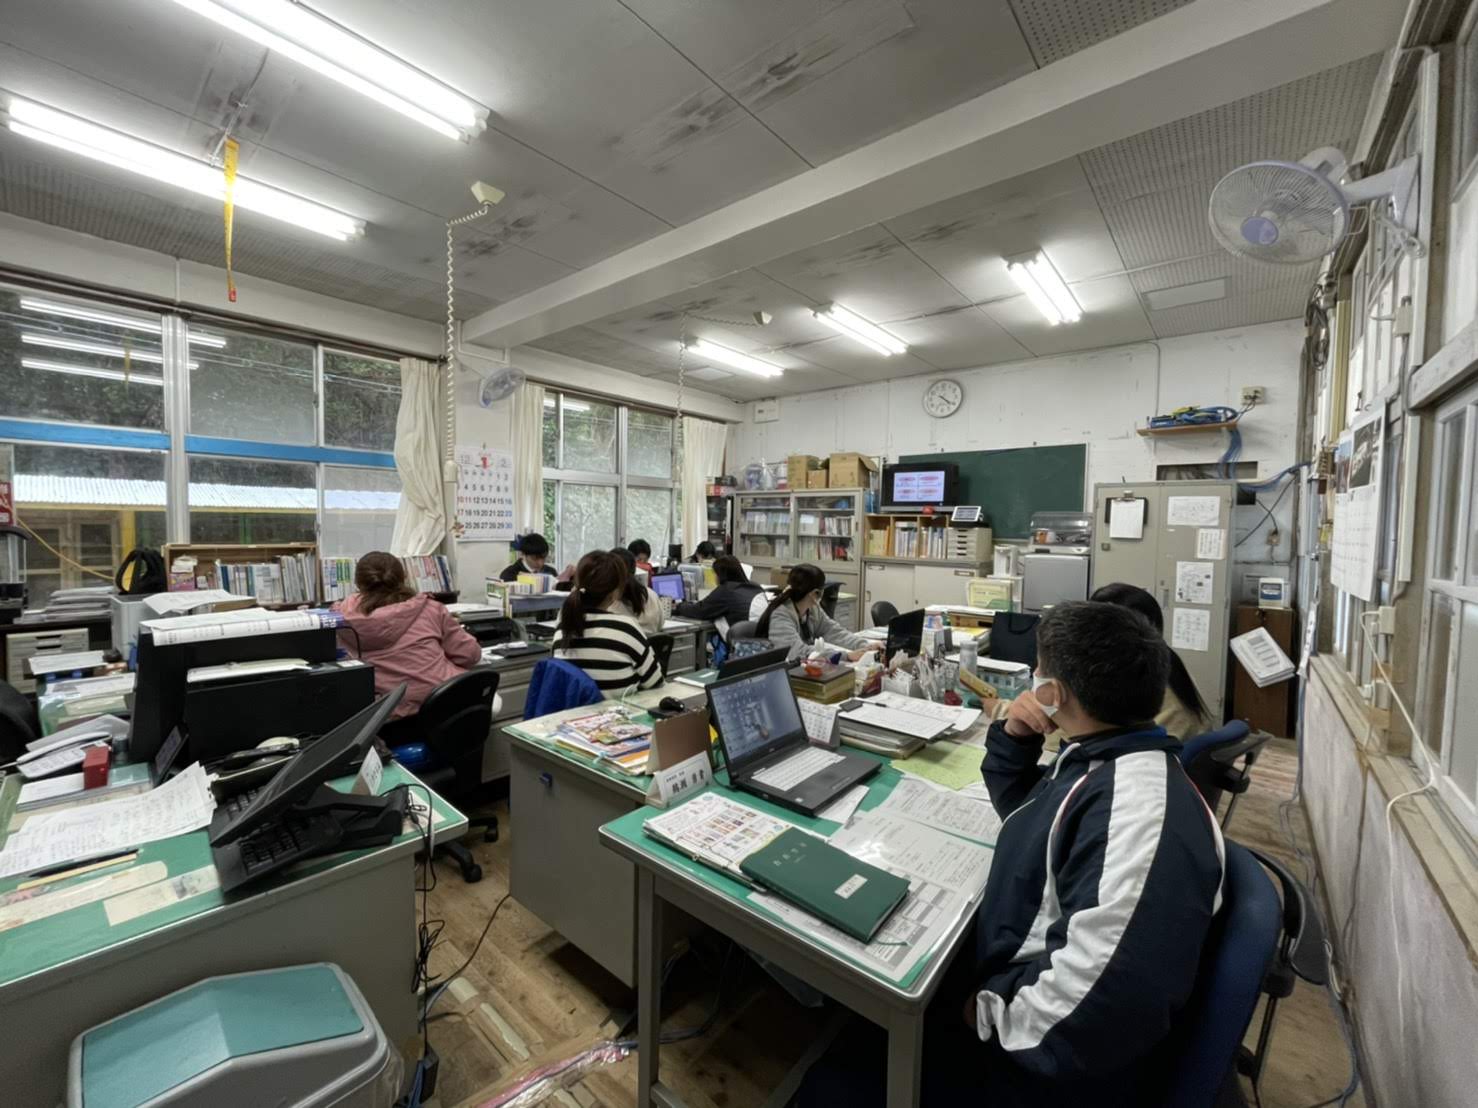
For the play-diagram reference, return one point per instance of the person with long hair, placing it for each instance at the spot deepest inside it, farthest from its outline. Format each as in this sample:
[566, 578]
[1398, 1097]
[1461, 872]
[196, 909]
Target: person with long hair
[729, 601]
[593, 635]
[639, 601]
[407, 636]
[795, 619]
[1182, 713]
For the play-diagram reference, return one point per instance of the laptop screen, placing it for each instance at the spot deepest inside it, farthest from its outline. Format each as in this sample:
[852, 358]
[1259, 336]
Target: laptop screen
[755, 714]
[906, 632]
[669, 585]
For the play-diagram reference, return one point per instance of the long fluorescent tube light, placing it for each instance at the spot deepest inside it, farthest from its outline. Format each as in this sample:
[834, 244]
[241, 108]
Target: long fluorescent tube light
[114, 148]
[1044, 287]
[327, 48]
[101, 349]
[92, 371]
[861, 330]
[713, 352]
[91, 315]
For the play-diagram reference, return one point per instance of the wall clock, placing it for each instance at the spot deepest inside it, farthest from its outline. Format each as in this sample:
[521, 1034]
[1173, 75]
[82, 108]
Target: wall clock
[943, 398]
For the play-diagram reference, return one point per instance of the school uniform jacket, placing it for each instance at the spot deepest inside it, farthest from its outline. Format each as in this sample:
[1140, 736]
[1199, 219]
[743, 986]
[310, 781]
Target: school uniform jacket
[1106, 875]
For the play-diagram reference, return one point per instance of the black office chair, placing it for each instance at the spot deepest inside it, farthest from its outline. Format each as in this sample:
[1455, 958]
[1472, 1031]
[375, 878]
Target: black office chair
[829, 596]
[744, 629]
[883, 613]
[1013, 637]
[661, 644]
[1211, 762]
[454, 722]
[18, 722]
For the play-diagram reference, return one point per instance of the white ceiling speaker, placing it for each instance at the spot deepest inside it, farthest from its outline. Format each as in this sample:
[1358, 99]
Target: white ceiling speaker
[1290, 213]
[499, 385]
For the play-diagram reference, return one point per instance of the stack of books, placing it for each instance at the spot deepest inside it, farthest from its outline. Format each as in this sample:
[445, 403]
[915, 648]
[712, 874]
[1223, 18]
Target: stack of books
[427, 573]
[891, 731]
[612, 736]
[287, 579]
[830, 685]
[1262, 658]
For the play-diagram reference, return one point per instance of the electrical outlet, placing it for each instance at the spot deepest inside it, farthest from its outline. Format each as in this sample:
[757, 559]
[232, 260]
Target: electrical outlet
[1253, 394]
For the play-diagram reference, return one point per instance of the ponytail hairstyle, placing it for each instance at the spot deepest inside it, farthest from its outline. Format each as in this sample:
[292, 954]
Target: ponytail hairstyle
[803, 581]
[380, 579]
[1138, 600]
[635, 593]
[599, 574]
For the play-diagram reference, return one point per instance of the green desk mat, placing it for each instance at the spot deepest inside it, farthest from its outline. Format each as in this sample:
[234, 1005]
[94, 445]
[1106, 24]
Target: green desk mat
[46, 943]
[628, 828]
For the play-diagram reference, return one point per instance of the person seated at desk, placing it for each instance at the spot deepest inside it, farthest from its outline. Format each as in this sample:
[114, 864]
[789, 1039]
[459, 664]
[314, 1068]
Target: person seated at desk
[593, 635]
[729, 601]
[1101, 893]
[795, 619]
[407, 636]
[638, 601]
[533, 557]
[704, 552]
[1182, 713]
[641, 552]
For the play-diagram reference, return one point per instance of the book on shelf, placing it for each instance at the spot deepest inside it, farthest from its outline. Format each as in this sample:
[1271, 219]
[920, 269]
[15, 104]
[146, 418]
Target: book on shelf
[287, 579]
[425, 573]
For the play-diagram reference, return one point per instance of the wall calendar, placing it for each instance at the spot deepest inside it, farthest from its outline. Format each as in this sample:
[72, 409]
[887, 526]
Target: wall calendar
[484, 495]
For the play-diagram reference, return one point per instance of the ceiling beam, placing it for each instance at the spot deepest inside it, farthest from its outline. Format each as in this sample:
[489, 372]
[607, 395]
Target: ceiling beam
[1200, 56]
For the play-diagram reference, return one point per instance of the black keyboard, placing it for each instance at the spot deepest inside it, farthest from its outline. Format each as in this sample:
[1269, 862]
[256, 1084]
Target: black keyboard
[275, 846]
[233, 806]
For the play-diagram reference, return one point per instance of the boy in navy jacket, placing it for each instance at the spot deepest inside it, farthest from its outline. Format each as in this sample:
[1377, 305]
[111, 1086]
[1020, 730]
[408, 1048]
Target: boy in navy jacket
[1106, 875]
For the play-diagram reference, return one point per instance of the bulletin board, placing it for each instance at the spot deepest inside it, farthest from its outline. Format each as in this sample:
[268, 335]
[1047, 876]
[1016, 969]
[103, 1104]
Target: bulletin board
[1009, 485]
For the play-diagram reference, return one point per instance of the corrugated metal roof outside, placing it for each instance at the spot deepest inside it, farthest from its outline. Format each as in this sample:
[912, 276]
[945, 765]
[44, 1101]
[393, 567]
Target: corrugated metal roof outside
[117, 492]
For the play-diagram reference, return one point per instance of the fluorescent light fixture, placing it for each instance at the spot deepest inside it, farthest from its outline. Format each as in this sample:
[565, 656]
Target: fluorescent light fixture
[92, 315]
[861, 330]
[92, 371]
[1044, 287]
[101, 349]
[732, 358]
[327, 48]
[114, 148]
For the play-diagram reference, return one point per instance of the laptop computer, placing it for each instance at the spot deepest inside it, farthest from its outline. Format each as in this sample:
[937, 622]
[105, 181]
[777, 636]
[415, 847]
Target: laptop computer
[765, 747]
[669, 585]
[906, 633]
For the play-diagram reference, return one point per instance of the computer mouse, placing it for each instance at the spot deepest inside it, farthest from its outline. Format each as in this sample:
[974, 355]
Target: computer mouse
[672, 704]
[278, 744]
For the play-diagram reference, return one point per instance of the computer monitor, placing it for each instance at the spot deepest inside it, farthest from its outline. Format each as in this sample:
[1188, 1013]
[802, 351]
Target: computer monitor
[312, 767]
[755, 714]
[906, 633]
[740, 664]
[669, 585]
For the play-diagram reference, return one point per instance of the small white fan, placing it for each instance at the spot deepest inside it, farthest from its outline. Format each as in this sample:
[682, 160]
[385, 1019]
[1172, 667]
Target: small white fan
[1289, 213]
[496, 386]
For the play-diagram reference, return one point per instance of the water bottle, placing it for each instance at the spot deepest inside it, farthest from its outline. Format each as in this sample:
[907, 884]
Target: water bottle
[968, 650]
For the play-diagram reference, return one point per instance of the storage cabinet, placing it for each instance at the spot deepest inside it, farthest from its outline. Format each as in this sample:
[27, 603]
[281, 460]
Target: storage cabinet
[779, 530]
[912, 584]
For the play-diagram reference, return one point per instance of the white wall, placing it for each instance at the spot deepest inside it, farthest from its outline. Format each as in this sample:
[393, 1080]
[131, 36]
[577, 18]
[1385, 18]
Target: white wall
[1097, 398]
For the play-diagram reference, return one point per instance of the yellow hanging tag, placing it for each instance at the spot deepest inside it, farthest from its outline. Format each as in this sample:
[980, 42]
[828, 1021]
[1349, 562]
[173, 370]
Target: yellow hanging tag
[232, 151]
[127, 358]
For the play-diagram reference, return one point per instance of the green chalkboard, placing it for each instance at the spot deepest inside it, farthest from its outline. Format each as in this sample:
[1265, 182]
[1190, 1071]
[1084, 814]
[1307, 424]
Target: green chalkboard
[1009, 485]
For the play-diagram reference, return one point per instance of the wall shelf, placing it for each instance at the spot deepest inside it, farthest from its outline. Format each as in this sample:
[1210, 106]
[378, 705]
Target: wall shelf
[1186, 429]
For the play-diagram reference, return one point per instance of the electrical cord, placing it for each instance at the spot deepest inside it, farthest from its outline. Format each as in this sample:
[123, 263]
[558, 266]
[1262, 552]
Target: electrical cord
[436, 994]
[1267, 513]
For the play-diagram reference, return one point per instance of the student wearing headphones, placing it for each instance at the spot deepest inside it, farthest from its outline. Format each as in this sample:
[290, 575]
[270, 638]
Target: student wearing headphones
[795, 619]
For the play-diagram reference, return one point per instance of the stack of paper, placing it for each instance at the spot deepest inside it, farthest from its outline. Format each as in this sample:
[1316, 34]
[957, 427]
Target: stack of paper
[886, 729]
[1262, 658]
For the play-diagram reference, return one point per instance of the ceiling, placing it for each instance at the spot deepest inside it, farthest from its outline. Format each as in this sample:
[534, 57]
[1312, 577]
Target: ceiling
[615, 121]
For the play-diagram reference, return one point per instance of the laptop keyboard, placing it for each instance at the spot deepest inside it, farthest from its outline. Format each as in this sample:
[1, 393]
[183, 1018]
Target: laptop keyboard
[795, 769]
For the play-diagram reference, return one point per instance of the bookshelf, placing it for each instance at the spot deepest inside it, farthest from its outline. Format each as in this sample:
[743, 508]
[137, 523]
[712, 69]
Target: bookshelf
[291, 574]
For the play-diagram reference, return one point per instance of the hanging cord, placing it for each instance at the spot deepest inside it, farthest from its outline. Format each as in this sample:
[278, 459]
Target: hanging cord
[449, 440]
[70, 561]
[679, 438]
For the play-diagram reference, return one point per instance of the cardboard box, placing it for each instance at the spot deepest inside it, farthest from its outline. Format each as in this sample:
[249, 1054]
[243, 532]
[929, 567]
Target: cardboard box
[852, 471]
[817, 478]
[798, 466]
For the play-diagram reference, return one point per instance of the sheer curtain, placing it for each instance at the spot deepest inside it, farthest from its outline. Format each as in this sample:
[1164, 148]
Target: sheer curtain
[420, 521]
[703, 457]
[528, 458]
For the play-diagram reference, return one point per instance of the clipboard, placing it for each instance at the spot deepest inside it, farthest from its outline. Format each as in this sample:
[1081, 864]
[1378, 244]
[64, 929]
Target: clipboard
[675, 740]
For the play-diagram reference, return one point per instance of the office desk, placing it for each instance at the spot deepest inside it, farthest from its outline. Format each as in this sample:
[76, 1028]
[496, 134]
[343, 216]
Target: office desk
[557, 869]
[667, 879]
[513, 689]
[70, 971]
[690, 646]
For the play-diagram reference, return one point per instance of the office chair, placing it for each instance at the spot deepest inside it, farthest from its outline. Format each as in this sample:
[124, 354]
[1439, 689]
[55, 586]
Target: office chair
[453, 723]
[1013, 637]
[661, 645]
[1239, 951]
[744, 629]
[829, 596]
[1210, 761]
[556, 685]
[19, 724]
[883, 612]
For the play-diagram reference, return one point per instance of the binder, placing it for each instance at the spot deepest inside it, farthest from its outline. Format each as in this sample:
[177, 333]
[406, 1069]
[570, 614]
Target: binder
[829, 883]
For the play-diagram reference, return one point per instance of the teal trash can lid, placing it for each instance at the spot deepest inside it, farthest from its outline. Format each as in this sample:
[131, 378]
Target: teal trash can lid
[144, 1053]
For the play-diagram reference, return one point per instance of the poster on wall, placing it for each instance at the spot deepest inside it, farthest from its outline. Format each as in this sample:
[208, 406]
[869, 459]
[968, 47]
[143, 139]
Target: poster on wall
[1353, 548]
[484, 495]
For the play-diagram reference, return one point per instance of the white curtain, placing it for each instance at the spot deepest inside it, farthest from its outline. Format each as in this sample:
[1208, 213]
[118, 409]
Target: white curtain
[528, 459]
[420, 521]
[703, 458]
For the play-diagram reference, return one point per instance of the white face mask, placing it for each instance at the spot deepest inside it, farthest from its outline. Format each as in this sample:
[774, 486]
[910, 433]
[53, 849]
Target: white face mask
[1049, 710]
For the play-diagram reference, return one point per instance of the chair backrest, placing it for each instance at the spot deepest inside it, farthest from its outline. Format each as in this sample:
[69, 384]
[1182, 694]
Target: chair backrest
[662, 647]
[454, 721]
[1197, 756]
[1013, 637]
[556, 685]
[829, 596]
[1238, 952]
[883, 612]
[18, 722]
[744, 629]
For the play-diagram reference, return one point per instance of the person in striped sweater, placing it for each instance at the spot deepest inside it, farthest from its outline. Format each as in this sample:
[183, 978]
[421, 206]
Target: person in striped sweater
[606, 644]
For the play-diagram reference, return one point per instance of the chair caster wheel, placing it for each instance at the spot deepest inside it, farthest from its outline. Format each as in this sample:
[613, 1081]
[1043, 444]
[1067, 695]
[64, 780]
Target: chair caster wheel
[472, 874]
[490, 835]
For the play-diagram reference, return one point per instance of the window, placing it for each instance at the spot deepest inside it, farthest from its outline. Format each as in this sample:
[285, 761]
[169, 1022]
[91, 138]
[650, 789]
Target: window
[1449, 657]
[244, 500]
[361, 399]
[91, 507]
[607, 476]
[251, 387]
[1468, 93]
[358, 510]
[64, 359]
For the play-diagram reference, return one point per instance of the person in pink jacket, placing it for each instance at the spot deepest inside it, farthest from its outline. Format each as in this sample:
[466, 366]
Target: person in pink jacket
[407, 636]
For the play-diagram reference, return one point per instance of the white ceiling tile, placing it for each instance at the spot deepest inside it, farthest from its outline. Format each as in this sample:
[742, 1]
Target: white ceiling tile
[1111, 315]
[871, 271]
[1058, 28]
[960, 340]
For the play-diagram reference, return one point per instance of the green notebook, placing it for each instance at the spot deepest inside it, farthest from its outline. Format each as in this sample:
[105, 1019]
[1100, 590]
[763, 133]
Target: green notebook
[848, 894]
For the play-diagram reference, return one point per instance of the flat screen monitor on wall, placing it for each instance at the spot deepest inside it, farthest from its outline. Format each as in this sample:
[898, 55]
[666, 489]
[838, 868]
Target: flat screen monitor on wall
[920, 485]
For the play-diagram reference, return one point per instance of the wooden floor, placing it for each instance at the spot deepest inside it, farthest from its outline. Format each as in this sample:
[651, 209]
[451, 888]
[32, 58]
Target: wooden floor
[529, 998]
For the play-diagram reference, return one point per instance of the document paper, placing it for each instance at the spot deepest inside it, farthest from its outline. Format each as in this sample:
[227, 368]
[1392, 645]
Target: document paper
[1190, 629]
[1193, 511]
[1126, 519]
[1195, 582]
[943, 809]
